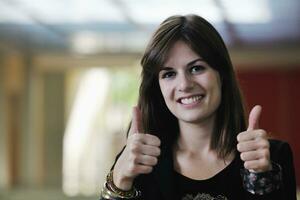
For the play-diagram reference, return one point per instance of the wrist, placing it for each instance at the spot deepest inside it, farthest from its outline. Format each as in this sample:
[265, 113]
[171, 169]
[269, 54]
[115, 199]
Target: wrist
[121, 182]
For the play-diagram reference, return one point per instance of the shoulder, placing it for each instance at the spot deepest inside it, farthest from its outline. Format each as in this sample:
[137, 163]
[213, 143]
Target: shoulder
[278, 145]
[280, 150]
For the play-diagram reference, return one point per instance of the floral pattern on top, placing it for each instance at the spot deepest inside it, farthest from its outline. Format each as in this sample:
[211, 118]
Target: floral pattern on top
[263, 182]
[203, 196]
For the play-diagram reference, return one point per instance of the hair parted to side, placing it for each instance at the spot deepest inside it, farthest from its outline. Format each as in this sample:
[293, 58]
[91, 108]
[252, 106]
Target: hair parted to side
[204, 40]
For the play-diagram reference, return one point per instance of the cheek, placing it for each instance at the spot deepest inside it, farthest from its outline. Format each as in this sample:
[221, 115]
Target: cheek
[214, 82]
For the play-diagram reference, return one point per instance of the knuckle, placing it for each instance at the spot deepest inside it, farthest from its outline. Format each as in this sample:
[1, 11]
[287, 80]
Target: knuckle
[154, 139]
[155, 160]
[158, 141]
[262, 133]
[239, 146]
[266, 153]
[243, 156]
[264, 162]
[134, 147]
[149, 169]
[134, 159]
[151, 161]
[149, 136]
[241, 136]
[260, 143]
[265, 144]
[247, 165]
[158, 151]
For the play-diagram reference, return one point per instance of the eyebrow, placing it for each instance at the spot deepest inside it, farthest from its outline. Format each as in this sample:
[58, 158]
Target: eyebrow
[189, 64]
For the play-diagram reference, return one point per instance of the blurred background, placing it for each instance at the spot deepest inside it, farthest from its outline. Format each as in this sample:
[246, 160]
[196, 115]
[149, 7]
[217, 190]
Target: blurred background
[69, 75]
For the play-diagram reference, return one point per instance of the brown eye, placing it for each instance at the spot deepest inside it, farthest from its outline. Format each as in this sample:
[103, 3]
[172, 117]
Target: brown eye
[168, 74]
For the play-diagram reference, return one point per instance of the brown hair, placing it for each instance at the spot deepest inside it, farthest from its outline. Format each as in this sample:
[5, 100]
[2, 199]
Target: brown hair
[203, 39]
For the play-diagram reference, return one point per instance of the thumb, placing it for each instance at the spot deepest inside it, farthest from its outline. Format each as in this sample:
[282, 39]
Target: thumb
[254, 118]
[136, 123]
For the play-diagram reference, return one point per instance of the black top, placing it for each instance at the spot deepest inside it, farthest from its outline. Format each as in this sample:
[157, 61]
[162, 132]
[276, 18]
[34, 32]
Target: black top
[163, 183]
[223, 185]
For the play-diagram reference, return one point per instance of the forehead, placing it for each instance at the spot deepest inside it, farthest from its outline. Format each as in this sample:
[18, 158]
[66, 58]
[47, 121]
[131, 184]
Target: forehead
[179, 54]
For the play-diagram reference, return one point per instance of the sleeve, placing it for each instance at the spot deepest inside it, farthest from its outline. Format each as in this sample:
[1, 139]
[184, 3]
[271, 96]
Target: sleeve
[263, 182]
[281, 154]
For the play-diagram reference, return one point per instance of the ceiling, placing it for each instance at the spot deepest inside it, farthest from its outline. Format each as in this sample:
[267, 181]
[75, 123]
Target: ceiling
[93, 26]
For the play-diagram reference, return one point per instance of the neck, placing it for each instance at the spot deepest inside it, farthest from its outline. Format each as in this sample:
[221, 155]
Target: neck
[195, 138]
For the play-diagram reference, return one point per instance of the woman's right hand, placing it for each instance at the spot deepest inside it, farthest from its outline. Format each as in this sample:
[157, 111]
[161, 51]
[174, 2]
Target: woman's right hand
[139, 156]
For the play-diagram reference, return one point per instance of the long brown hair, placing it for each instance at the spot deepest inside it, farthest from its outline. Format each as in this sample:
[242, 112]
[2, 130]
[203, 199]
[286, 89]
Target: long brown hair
[203, 39]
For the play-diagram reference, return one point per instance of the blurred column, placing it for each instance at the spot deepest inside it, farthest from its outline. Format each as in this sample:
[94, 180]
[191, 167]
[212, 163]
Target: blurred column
[31, 162]
[53, 115]
[4, 167]
[15, 80]
[42, 127]
[12, 86]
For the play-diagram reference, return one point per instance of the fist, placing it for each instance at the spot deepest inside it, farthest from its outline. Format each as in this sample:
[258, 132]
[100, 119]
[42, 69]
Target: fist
[253, 144]
[139, 156]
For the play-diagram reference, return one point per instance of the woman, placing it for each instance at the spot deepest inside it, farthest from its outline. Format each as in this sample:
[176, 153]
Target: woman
[188, 137]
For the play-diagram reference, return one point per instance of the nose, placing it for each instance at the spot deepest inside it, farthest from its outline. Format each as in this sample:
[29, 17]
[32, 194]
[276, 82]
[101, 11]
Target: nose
[185, 83]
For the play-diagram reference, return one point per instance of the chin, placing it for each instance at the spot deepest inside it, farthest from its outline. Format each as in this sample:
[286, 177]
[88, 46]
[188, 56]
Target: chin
[194, 119]
[190, 119]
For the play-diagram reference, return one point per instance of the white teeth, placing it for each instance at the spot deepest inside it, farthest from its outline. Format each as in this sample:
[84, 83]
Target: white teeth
[191, 99]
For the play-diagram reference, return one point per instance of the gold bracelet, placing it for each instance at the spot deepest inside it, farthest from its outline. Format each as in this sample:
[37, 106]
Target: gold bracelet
[110, 189]
[107, 194]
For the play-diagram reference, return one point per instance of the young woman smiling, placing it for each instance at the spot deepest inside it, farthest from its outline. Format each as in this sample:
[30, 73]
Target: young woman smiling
[188, 137]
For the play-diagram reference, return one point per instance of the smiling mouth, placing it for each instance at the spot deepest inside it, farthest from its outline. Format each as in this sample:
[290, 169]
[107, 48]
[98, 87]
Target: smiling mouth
[190, 100]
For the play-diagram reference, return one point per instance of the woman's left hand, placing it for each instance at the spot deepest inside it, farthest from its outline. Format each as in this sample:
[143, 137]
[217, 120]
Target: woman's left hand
[253, 144]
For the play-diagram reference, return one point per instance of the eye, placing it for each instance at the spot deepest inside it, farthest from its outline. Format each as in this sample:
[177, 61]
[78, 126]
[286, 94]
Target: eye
[197, 69]
[168, 74]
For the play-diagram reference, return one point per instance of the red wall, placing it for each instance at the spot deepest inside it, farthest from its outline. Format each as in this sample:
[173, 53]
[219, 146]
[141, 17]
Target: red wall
[278, 91]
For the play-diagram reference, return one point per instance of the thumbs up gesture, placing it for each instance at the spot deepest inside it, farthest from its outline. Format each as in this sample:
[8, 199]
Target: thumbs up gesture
[254, 145]
[139, 156]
